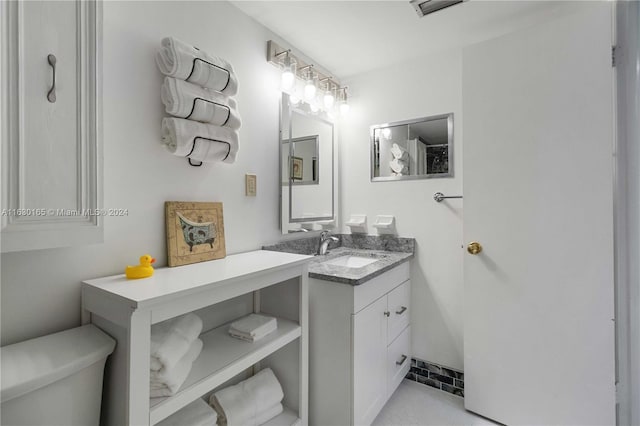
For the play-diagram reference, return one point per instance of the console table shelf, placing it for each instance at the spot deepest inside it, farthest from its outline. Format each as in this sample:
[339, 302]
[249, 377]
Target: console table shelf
[126, 309]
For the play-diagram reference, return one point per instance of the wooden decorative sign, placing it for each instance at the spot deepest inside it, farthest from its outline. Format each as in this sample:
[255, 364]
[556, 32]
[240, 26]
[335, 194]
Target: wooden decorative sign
[195, 232]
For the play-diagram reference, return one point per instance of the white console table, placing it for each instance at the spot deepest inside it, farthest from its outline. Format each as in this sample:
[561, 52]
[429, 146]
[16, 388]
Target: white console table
[126, 309]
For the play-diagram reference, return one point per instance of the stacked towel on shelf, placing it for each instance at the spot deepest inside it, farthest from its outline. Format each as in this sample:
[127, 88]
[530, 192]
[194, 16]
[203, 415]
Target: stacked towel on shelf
[198, 413]
[253, 327]
[174, 348]
[185, 100]
[199, 141]
[398, 152]
[251, 402]
[399, 167]
[197, 91]
[166, 382]
[180, 60]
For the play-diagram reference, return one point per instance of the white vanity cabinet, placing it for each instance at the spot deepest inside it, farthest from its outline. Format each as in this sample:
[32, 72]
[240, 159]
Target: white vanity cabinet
[218, 291]
[50, 81]
[359, 345]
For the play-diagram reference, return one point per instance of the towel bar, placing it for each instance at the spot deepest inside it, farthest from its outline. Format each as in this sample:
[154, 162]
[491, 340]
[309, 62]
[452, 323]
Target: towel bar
[210, 140]
[439, 196]
[193, 108]
[193, 68]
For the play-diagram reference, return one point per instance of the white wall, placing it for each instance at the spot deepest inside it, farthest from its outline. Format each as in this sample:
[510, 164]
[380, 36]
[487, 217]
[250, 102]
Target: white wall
[41, 289]
[424, 87]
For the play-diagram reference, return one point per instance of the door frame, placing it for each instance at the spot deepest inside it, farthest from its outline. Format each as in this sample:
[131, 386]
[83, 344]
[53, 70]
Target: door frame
[626, 215]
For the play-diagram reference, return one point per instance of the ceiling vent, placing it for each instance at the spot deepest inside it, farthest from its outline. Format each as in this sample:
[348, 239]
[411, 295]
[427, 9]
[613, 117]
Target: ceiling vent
[425, 7]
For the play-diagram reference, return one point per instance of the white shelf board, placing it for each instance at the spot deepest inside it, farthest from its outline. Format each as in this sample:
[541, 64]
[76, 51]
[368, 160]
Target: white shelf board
[222, 357]
[169, 283]
[286, 418]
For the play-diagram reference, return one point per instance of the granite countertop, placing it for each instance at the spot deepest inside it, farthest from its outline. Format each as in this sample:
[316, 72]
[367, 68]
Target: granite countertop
[318, 268]
[390, 251]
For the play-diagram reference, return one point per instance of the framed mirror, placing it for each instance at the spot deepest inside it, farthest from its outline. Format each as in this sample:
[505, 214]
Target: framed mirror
[412, 149]
[306, 167]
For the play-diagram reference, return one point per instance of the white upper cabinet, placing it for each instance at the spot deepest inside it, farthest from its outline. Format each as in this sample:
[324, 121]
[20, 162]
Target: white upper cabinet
[51, 145]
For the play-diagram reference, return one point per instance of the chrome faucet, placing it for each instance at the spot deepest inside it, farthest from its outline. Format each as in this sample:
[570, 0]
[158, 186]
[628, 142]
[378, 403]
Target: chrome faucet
[325, 239]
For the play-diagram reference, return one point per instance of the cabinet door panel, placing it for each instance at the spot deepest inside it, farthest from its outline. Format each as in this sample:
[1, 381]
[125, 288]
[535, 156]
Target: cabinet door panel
[398, 360]
[398, 306]
[51, 162]
[49, 141]
[369, 362]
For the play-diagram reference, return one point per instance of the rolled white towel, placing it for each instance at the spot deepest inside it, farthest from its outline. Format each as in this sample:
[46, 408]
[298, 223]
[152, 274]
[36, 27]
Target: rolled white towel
[214, 143]
[254, 324]
[167, 382]
[399, 152]
[268, 414]
[198, 413]
[172, 339]
[241, 404]
[186, 100]
[178, 59]
[398, 166]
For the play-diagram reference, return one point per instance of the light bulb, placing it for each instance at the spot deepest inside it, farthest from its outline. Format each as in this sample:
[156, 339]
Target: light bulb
[288, 72]
[314, 108]
[386, 133]
[310, 89]
[344, 108]
[328, 99]
[288, 79]
[294, 99]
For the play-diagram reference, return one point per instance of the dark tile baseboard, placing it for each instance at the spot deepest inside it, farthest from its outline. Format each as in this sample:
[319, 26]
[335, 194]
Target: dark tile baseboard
[437, 376]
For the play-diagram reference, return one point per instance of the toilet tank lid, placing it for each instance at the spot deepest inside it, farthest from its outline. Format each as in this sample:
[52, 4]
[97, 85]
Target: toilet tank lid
[32, 364]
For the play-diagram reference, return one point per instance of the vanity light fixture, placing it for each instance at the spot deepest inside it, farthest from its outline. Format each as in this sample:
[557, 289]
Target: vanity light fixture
[307, 80]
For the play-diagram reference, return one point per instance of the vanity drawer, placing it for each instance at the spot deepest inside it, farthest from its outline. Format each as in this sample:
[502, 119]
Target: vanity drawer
[398, 308]
[398, 360]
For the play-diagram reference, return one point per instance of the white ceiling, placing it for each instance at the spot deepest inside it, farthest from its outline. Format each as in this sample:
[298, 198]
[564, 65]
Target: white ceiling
[352, 37]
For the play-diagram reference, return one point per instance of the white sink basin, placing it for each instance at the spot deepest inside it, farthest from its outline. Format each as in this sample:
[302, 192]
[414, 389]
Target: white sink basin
[351, 261]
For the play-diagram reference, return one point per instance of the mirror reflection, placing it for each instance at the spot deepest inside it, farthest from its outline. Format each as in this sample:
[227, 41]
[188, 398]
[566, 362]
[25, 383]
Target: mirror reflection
[412, 149]
[306, 172]
[300, 162]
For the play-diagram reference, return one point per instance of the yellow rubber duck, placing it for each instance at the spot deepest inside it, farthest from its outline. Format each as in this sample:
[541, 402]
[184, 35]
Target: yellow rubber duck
[143, 270]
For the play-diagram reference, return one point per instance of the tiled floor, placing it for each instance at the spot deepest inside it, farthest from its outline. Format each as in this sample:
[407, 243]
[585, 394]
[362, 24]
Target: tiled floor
[417, 404]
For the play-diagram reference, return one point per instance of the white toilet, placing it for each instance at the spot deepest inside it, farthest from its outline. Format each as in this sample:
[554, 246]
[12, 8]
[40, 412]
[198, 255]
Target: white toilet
[54, 379]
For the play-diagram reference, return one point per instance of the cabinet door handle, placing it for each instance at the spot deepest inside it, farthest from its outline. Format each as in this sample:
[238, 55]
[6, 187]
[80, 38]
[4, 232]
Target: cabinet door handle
[402, 360]
[387, 313]
[401, 311]
[51, 96]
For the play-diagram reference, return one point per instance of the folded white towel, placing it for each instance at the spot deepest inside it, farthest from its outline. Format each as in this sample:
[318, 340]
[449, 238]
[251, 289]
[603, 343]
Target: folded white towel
[254, 324]
[399, 152]
[398, 166]
[251, 337]
[178, 59]
[172, 339]
[199, 141]
[198, 413]
[167, 382]
[243, 403]
[186, 100]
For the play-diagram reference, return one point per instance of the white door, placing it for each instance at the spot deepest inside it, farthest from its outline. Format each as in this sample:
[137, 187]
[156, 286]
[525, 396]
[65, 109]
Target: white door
[538, 120]
[369, 361]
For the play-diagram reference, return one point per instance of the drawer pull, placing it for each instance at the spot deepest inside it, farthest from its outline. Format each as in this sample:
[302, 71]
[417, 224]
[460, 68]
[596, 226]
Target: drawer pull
[402, 360]
[401, 311]
[51, 96]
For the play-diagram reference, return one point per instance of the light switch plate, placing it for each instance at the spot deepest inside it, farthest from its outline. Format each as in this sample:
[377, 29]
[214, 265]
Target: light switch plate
[250, 185]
